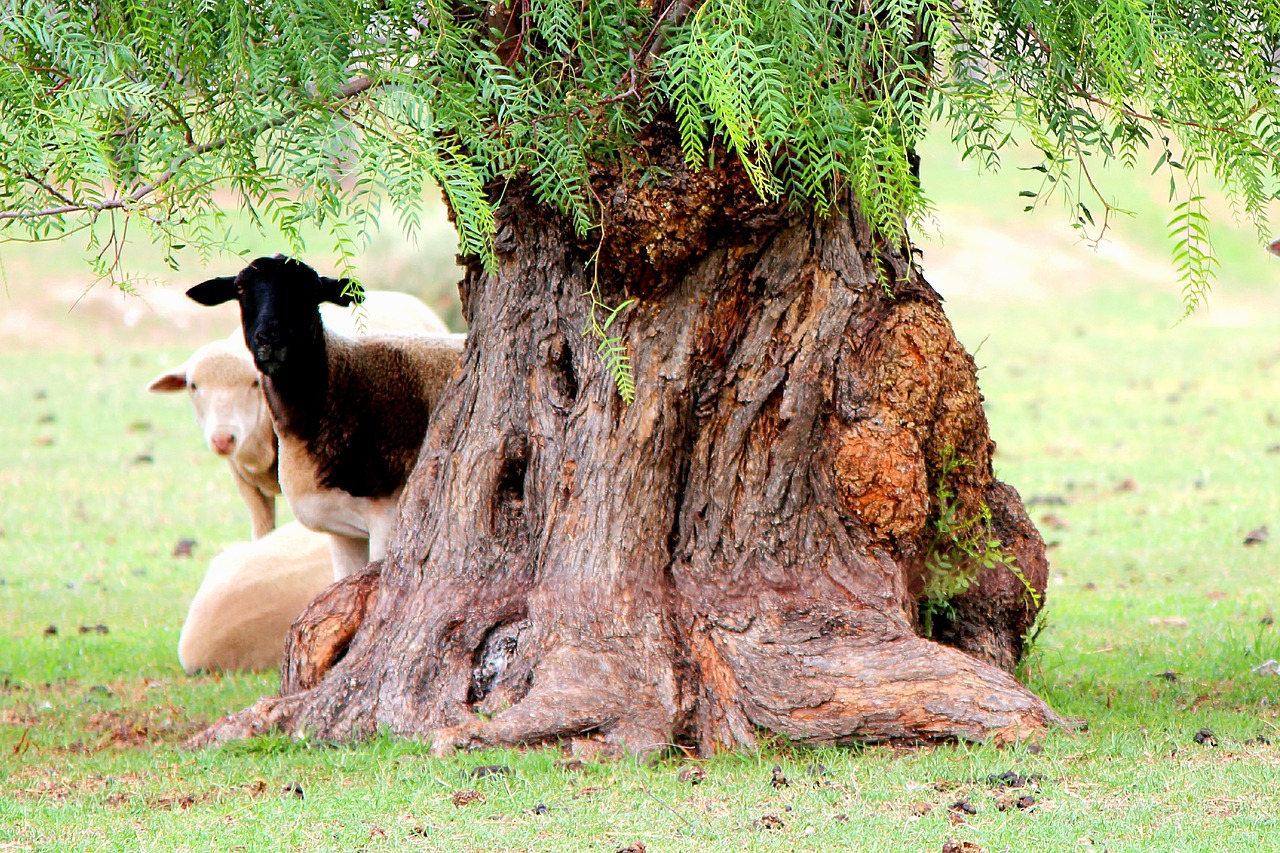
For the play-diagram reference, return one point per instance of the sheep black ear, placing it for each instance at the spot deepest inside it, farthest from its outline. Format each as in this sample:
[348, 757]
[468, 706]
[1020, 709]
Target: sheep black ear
[215, 291]
[340, 291]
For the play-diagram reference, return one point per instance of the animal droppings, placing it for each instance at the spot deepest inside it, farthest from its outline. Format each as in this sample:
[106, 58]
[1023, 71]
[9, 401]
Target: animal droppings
[1010, 779]
[778, 778]
[490, 770]
[961, 847]
[692, 775]
[466, 798]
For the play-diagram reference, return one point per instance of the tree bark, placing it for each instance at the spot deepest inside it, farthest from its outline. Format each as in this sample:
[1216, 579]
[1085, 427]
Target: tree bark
[322, 634]
[742, 549]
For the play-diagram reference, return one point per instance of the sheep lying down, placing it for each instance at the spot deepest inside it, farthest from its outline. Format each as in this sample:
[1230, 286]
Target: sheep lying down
[250, 597]
[226, 395]
[350, 414]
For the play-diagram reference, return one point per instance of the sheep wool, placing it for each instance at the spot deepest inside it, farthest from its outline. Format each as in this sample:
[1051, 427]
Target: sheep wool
[350, 413]
[224, 387]
[250, 596]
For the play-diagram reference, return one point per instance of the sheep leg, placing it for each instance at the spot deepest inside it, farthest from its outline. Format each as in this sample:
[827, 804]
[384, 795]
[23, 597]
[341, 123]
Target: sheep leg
[382, 519]
[349, 555]
[262, 508]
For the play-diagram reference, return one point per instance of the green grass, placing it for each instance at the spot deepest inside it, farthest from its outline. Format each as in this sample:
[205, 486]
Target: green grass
[1144, 443]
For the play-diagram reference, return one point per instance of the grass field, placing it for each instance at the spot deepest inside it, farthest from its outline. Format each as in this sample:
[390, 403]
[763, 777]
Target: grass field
[1147, 449]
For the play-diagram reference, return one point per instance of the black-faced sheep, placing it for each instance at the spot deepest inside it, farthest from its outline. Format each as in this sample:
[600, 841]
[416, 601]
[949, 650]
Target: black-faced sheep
[350, 414]
[223, 384]
[250, 597]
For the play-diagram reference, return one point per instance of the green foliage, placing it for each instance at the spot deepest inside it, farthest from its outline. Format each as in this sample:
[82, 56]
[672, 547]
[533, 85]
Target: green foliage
[612, 349]
[962, 547]
[318, 113]
[812, 98]
[1102, 81]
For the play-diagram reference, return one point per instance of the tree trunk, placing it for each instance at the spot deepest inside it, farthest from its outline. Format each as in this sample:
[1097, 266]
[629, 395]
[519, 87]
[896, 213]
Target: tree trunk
[740, 550]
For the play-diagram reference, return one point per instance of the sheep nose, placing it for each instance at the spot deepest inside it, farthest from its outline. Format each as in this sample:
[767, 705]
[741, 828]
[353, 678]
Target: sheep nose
[223, 443]
[268, 349]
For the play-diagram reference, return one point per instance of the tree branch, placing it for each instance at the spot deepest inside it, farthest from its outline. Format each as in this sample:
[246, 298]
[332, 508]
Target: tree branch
[1159, 121]
[355, 87]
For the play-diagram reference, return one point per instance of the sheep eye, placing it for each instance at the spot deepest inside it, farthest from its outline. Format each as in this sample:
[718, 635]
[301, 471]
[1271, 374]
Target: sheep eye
[193, 388]
[257, 383]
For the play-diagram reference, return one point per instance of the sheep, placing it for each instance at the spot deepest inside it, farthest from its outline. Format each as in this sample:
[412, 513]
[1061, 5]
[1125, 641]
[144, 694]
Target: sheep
[225, 393]
[252, 593]
[350, 414]
[227, 398]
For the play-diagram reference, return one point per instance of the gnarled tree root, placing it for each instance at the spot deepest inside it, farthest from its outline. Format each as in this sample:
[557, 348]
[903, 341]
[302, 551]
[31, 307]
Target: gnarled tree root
[909, 690]
[323, 632]
[266, 715]
[823, 691]
[826, 692]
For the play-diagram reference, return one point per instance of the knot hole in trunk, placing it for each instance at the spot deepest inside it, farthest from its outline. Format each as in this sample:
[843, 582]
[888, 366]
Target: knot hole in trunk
[492, 663]
[508, 490]
[562, 376]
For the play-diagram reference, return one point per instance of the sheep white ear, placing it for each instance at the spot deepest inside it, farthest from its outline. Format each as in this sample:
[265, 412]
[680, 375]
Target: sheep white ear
[168, 383]
[215, 291]
[340, 291]
[1274, 248]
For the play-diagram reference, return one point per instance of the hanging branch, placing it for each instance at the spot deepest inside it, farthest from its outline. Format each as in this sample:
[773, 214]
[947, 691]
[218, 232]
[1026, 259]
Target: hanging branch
[346, 92]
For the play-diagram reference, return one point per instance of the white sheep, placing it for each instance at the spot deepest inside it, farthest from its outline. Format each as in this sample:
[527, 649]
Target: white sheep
[350, 414]
[250, 597]
[225, 393]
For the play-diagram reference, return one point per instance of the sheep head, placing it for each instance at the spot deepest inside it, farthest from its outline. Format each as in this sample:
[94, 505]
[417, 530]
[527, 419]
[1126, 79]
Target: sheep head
[225, 392]
[279, 306]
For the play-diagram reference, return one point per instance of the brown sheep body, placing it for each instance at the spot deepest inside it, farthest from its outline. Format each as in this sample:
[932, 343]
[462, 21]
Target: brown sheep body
[350, 414]
[223, 384]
